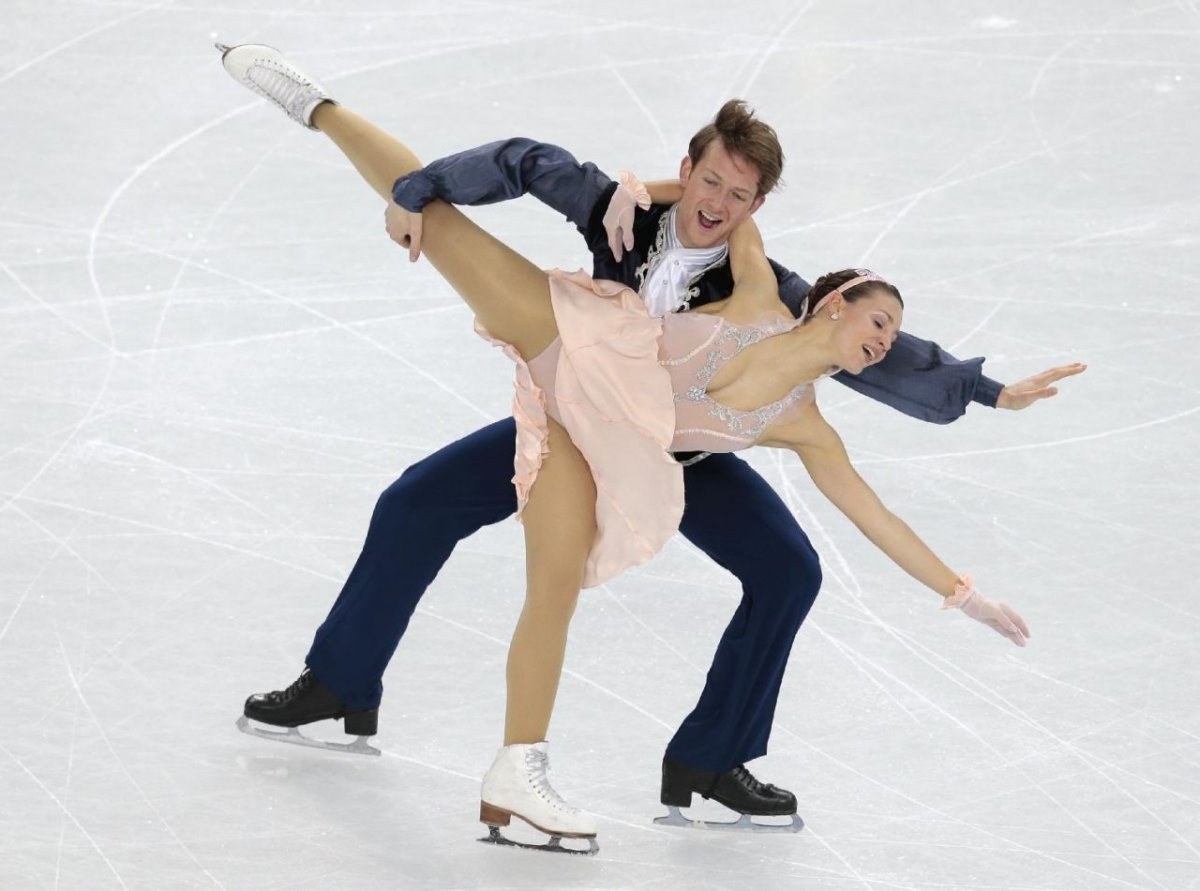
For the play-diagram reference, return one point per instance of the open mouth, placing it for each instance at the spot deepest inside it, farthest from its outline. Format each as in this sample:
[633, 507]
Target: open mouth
[869, 353]
[707, 222]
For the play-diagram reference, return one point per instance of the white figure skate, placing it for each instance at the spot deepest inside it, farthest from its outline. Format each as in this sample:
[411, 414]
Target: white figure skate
[264, 70]
[517, 786]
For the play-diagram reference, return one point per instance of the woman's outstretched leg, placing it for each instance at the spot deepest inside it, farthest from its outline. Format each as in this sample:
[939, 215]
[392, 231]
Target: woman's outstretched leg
[509, 295]
[511, 298]
[379, 158]
[558, 534]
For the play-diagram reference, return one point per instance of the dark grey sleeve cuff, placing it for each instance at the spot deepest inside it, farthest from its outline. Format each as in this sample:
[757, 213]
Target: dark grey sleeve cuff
[414, 191]
[987, 391]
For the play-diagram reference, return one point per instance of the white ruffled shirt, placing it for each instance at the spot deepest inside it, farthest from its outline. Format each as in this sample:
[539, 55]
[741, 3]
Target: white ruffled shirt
[672, 269]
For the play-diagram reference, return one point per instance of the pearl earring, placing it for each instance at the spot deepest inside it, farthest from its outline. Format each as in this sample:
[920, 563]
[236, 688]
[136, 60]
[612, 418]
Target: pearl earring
[835, 316]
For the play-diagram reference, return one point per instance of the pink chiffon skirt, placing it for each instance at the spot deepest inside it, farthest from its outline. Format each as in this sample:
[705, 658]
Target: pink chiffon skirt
[603, 382]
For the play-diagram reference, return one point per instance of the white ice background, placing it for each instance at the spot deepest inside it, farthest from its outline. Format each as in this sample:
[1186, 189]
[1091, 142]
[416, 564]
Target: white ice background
[212, 360]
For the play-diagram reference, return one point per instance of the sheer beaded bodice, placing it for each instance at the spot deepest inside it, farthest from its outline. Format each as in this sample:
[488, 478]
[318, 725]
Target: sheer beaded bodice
[693, 349]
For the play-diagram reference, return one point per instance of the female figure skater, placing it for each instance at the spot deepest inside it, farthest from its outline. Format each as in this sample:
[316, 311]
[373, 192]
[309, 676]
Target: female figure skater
[604, 394]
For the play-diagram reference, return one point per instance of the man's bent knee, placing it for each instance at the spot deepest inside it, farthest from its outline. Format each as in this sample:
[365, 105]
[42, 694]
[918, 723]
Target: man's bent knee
[790, 578]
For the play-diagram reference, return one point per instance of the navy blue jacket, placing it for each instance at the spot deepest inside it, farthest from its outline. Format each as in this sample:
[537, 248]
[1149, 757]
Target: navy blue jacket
[917, 376]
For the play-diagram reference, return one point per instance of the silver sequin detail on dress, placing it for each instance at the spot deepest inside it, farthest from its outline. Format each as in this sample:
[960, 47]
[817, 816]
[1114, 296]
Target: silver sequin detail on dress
[747, 425]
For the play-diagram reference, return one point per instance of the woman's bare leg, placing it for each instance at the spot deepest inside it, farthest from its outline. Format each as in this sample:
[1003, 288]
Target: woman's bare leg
[511, 298]
[509, 295]
[560, 525]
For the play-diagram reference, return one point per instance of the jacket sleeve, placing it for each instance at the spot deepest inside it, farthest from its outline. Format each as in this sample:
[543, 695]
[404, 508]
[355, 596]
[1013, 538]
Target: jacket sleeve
[922, 380]
[917, 377]
[792, 288]
[504, 170]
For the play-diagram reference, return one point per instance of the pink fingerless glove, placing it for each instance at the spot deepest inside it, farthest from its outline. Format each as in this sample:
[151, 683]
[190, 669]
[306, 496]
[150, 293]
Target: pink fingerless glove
[618, 219]
[995, 615]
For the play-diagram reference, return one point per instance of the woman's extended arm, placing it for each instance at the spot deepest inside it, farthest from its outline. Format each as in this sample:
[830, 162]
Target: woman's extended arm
[755, 286]
[665, 191]
[825, 459]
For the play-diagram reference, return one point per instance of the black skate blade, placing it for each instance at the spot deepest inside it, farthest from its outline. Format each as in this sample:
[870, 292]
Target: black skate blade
[745, 823]
[554, 846]
[294, 737]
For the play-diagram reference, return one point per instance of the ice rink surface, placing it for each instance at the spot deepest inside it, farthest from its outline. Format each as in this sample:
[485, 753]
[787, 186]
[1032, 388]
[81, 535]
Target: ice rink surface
[212, 360]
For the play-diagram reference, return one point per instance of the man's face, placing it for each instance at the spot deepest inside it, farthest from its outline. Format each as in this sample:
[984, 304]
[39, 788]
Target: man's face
[719, 191]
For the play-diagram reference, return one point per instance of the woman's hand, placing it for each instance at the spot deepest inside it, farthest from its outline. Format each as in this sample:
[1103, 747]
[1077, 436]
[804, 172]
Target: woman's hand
[622, 208]
[1000, 617]
[824, 456]
[404, 228]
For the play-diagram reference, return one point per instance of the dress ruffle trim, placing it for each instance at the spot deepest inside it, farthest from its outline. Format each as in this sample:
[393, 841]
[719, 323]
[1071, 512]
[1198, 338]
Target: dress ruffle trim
[529, 411]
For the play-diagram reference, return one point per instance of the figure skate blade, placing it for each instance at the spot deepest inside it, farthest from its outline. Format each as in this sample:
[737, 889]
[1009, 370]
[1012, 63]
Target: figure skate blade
[744, 823]
[293, 736]
[553, 846]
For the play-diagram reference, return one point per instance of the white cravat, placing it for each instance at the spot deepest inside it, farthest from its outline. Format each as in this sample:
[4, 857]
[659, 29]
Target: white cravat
[666, 284]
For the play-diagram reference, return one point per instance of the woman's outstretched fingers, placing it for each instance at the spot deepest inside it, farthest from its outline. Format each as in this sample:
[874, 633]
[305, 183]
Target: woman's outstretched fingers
[1000, 617]
[1016, 619]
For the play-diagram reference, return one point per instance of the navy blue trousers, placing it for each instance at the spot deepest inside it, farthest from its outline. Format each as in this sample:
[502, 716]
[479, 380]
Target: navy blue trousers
[731, 513]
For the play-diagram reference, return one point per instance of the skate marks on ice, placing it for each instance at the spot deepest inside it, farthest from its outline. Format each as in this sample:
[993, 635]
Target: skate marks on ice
[744, 823]
[293, 736]
[496, 818]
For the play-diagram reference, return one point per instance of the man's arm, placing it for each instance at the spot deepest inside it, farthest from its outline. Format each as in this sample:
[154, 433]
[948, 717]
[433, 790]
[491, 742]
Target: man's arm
[504, 170]
[922, 380]
[917, 377]
[925, 382]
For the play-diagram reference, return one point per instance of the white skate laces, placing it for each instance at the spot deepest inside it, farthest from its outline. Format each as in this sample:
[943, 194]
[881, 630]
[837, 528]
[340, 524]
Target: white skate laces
[537, 766]
[264, 70]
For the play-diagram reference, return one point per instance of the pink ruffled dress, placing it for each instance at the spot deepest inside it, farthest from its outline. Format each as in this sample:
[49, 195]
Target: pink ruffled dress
[631, 389]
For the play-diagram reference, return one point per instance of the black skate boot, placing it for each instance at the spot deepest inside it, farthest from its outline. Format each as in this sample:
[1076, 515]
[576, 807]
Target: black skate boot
[303, 702]
[737, 789]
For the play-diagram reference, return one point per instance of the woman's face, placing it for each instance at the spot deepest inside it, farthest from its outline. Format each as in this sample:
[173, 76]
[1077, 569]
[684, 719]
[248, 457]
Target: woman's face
[866, 329]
